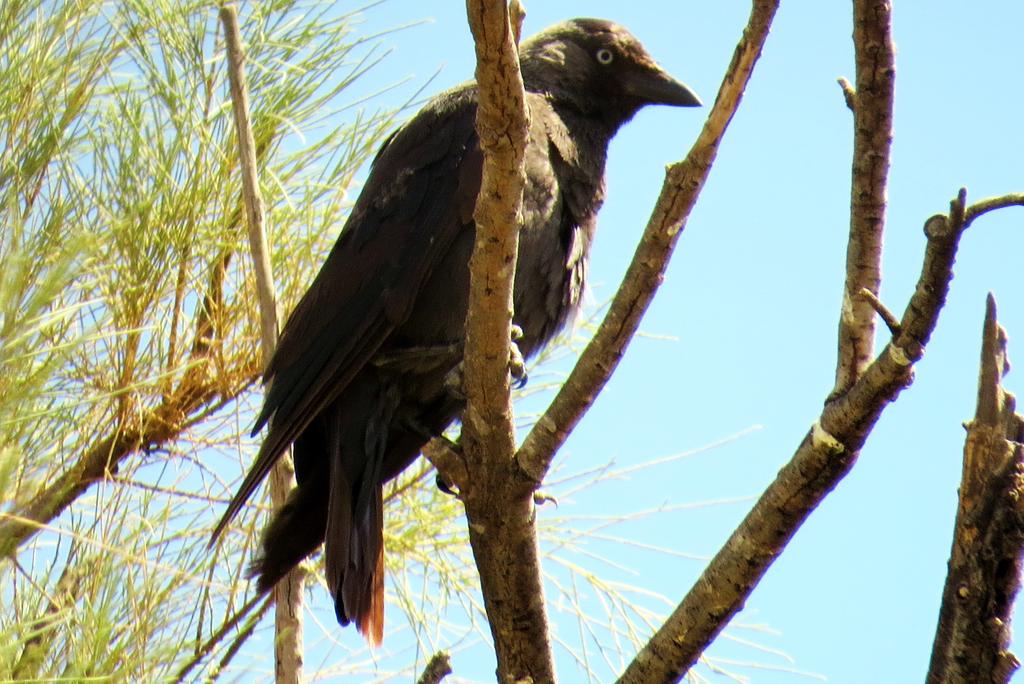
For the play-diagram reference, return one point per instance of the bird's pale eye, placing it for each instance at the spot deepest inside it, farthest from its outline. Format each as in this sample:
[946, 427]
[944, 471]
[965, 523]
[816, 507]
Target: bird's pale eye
[604, 56]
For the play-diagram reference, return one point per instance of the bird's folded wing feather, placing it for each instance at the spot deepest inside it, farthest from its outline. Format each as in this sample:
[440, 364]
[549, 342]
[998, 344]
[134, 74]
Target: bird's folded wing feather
[420, 194]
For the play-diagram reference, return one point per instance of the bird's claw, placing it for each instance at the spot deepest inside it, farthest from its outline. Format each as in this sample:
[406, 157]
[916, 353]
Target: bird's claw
[517, 366]
[453, 383]
[540, 498]
[516, 362]
[445, 486]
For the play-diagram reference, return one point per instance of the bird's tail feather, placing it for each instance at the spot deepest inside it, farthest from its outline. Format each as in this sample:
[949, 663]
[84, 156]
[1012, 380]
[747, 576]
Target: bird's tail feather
[340, 464]
[354, 540]
[292, 534]
[371, 622]
[358, 585]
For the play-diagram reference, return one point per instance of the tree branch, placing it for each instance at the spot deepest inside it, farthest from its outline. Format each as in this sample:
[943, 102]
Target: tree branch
[439, 667]
[288, 592]
[872, 103]
[888, 317]
[161, 424]
[991, 204]
[973, 636]
[823, 458]
[487, 431]
[497, 497]
[683, 182]
[252, 199]
[849, 94]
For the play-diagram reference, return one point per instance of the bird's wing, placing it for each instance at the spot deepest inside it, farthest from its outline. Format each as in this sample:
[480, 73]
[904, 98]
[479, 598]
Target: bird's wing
[420, 194]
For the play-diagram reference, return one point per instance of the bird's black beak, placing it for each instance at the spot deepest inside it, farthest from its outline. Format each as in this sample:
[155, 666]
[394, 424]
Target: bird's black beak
[655, 86]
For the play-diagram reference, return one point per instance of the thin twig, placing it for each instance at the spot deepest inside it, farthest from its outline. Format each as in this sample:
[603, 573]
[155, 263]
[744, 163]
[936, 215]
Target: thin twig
[446, 457]
[195, 394]
[288, 592]
[439, 667]
[849, 94]
[215, 639]
[43, 630]
[243, 635]
[162, 424]
[882, 310]
[253, 200]
[991, 203]
[517, 15]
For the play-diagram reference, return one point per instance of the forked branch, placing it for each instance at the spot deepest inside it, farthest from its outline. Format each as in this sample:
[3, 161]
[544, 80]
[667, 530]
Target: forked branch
[497, 499]
[822, 459]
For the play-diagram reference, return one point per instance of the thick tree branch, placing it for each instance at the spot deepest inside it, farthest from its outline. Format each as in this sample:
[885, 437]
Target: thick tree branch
[872, 103]
[683, 182]
[288, 592]
[487, 431]
[973, 636]
[822, 459]
[497, 498]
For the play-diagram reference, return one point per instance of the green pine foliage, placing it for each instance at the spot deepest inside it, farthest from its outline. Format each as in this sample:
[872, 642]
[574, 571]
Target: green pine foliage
[128, 344]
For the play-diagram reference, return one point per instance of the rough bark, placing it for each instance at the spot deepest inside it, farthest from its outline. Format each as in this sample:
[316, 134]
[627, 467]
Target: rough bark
[872, 104]
[972, 640]
[439, 667]
[498, 501]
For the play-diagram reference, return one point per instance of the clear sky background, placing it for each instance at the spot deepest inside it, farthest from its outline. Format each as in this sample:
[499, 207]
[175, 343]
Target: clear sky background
[743, 331]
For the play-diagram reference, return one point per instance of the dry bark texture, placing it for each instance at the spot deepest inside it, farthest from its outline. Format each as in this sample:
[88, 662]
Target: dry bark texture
[439, 667]
[973, 636]
[497, 489]
[498, 496]
[872, 103]
[498, 501]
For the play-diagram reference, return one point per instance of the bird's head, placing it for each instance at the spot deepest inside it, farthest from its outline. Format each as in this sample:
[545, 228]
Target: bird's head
[599, 69]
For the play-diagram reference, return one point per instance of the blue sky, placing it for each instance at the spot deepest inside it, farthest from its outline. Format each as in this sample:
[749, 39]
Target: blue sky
[742, 333]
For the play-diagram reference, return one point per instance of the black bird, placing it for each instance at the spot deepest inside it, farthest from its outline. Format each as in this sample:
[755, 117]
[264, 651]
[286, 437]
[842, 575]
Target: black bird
[363, 373]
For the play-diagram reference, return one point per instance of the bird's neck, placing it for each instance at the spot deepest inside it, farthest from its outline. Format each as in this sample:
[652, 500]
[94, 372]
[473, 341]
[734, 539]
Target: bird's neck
[594, 128]
[588, 137]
